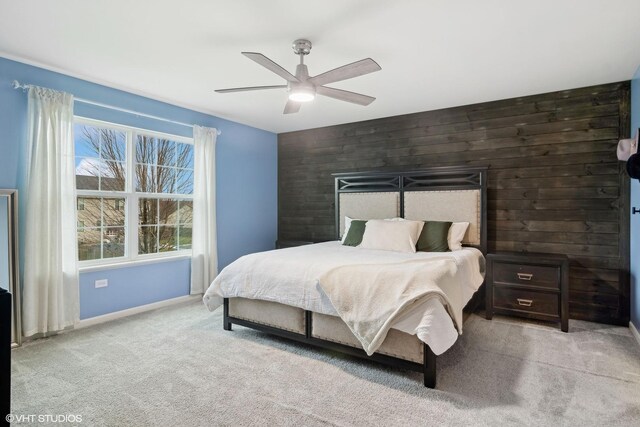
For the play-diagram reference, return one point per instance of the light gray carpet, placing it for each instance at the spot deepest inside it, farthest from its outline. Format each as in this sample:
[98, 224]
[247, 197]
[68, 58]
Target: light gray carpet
[176, 366]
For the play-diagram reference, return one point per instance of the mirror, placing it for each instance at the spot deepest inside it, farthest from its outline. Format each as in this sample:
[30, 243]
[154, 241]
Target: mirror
[9, 276]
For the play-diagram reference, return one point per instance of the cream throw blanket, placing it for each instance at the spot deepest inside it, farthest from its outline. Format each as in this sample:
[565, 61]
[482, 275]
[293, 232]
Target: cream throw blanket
[368, 298]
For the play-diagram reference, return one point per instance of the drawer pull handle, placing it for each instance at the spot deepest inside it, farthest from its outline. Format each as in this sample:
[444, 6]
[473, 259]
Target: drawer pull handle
[525, 276]
[525, 302]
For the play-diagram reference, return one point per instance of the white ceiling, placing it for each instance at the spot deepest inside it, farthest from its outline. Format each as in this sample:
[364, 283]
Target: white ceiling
[434, 54]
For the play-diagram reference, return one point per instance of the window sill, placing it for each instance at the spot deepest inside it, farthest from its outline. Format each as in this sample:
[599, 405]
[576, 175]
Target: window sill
[130, 263]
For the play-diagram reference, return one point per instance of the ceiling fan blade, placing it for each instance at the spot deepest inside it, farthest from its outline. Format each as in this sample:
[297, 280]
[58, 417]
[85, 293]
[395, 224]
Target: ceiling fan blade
[345, 72]
[244, 89]
[345, 95]
[271, 66]
[291, 107]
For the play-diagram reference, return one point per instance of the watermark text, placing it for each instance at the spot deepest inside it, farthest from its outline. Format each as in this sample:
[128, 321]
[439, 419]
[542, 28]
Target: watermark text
[43, 418]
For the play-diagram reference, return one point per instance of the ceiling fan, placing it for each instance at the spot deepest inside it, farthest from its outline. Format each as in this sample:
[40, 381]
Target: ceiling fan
[303, 88]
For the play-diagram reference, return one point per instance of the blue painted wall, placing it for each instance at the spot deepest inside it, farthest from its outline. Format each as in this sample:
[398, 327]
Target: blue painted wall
[635, 201]
[246, 182]
[133, 286]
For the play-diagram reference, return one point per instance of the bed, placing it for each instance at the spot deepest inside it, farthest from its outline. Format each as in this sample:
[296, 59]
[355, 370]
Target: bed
[287, 292]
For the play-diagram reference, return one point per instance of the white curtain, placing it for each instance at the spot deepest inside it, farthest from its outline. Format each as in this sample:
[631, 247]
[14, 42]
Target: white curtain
[204, 261]
[50, 289]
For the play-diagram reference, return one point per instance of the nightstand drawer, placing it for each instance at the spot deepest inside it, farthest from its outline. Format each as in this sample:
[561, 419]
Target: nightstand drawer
[529, 275]
[546, 304]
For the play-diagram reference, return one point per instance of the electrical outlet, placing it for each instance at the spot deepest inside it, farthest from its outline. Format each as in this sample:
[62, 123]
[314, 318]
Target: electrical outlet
[101, 283]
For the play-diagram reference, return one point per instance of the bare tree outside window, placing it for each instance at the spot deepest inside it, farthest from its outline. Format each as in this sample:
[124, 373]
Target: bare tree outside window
[161, 166]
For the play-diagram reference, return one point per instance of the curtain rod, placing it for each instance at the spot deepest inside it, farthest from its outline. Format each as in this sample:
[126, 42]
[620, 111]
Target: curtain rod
[18, 85]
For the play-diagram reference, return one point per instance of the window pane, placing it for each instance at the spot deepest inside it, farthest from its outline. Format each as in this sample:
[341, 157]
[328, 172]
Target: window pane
[86, 141]
[168, 213]
[112, 176]
[87, 173]
[168, 239]
[148, 239]
[185, 212]
[184, 237]
[89, 244]
[91, 215]
[166, 152]
[113, 212]
[163, 166]
[145, 182]
[185, 155]
[165, 179]
[113, 145]
[100, 158]
[101, 231]
[146, 150]
[184, 181]
[113, 242]
[148, 211]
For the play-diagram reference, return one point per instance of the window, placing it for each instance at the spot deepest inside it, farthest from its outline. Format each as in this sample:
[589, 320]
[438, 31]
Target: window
[135, 192]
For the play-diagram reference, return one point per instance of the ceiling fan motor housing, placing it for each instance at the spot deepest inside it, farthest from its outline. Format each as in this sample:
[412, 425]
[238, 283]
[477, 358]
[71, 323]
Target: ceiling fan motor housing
[302, 72]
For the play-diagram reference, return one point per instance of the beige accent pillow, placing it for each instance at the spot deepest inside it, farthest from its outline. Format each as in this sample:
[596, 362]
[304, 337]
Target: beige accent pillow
[347, 224]
[456, 234]
[399, 236]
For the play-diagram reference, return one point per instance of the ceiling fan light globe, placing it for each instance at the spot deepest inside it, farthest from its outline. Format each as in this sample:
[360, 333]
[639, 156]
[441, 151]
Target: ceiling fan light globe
[302, 96]
[301, 92]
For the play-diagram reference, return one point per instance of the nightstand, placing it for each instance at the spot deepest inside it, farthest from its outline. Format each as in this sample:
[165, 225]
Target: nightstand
[530, 285]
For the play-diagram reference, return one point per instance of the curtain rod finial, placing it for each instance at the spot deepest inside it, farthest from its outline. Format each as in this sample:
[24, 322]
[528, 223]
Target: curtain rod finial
[17, 85]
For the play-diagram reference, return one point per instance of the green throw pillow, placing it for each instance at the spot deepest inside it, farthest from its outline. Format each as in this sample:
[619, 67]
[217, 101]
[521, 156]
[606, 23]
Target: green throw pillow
[355, 233]
[433, 237]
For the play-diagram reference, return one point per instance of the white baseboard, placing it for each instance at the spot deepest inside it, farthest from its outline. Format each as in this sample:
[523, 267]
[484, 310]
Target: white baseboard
[635, 332]
[135, 310]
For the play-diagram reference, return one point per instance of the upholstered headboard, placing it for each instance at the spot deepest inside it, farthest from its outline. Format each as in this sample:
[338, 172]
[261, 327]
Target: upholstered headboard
[457, 194]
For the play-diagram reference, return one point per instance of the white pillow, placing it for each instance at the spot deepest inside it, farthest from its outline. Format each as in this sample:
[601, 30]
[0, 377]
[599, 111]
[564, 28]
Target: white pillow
[347, 225]
[398, 218]
[399, 236]
[456, 234]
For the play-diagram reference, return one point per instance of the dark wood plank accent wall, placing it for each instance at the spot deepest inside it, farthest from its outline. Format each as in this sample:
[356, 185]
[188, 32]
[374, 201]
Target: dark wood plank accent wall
[554, 184]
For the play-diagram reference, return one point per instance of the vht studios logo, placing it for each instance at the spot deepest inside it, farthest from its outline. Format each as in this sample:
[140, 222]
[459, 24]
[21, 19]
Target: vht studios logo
[44, 418]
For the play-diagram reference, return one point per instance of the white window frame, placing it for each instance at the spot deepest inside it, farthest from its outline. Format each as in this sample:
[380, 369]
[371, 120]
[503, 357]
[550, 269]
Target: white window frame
[131, 200]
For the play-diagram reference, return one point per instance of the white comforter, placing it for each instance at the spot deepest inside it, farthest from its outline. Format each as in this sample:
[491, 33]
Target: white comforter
[290, 276]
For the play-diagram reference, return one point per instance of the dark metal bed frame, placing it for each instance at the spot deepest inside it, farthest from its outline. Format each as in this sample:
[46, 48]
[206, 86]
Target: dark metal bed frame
[428, 367]
[432, 179]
